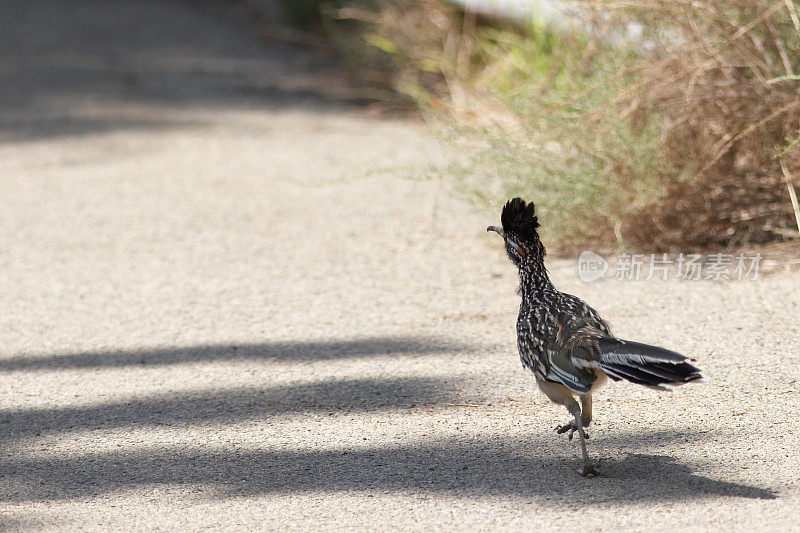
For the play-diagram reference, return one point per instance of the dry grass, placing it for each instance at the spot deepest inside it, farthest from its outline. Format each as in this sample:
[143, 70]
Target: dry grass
[728, 89]
[685, 135]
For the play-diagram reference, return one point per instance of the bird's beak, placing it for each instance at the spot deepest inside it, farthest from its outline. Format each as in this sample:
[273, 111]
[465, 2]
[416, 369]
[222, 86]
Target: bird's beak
[496, 229]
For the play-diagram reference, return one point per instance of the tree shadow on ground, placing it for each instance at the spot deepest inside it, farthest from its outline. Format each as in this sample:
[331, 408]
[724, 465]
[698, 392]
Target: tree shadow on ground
[80, 67]
[30, 127]
[530, 470]
[541, 467]
[232, 405]
[270, 351]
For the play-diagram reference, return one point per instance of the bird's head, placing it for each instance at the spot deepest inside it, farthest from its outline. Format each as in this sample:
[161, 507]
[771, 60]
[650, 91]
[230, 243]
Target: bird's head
[519, 232]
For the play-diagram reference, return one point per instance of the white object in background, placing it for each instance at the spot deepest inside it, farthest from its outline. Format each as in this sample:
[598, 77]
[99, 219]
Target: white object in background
[551, 12]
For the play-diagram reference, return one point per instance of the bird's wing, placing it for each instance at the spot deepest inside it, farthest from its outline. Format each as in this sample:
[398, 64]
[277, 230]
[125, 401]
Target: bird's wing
[551, 361]
[550, 355]
[579, 338]
[562, 369]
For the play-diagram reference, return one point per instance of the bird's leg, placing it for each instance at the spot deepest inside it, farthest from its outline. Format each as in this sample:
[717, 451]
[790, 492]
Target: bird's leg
[589, 467]
[586, 411]
[586, 418]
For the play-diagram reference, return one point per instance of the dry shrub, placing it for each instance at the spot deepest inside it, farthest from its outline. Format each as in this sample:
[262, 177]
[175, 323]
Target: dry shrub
[727, 85]
[686, 135]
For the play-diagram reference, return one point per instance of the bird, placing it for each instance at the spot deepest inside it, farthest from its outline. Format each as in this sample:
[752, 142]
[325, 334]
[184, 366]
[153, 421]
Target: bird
[566, 344]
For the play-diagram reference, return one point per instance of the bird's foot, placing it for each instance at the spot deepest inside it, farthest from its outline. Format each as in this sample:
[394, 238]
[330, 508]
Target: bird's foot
[572, 428]
[590, 469]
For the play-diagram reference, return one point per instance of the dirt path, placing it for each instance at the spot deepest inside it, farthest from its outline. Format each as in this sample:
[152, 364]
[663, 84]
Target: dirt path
[225, 306]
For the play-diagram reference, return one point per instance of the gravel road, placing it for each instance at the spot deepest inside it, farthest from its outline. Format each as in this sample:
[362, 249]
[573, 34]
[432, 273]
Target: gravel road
[225, 305]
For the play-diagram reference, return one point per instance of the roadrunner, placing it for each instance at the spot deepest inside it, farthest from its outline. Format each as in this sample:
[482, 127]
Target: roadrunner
[565, 343]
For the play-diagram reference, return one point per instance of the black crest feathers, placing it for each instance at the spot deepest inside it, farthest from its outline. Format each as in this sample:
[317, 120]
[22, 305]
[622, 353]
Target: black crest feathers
[519, 217]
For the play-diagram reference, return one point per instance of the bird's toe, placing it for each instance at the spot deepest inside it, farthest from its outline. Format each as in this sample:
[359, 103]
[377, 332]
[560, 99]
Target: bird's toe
[571, 428]
[590, 469]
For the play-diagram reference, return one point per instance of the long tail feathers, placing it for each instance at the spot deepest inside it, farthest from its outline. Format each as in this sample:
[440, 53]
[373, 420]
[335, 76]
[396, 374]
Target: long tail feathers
[646, 365]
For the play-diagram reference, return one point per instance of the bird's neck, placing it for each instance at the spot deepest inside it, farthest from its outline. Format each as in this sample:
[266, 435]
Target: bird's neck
[534, 281]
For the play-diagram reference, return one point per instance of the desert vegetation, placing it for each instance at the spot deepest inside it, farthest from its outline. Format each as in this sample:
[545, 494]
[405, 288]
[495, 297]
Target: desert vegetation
[645, 123]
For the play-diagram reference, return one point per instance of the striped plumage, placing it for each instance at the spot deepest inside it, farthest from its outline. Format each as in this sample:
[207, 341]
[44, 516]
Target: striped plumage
[566, 344]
